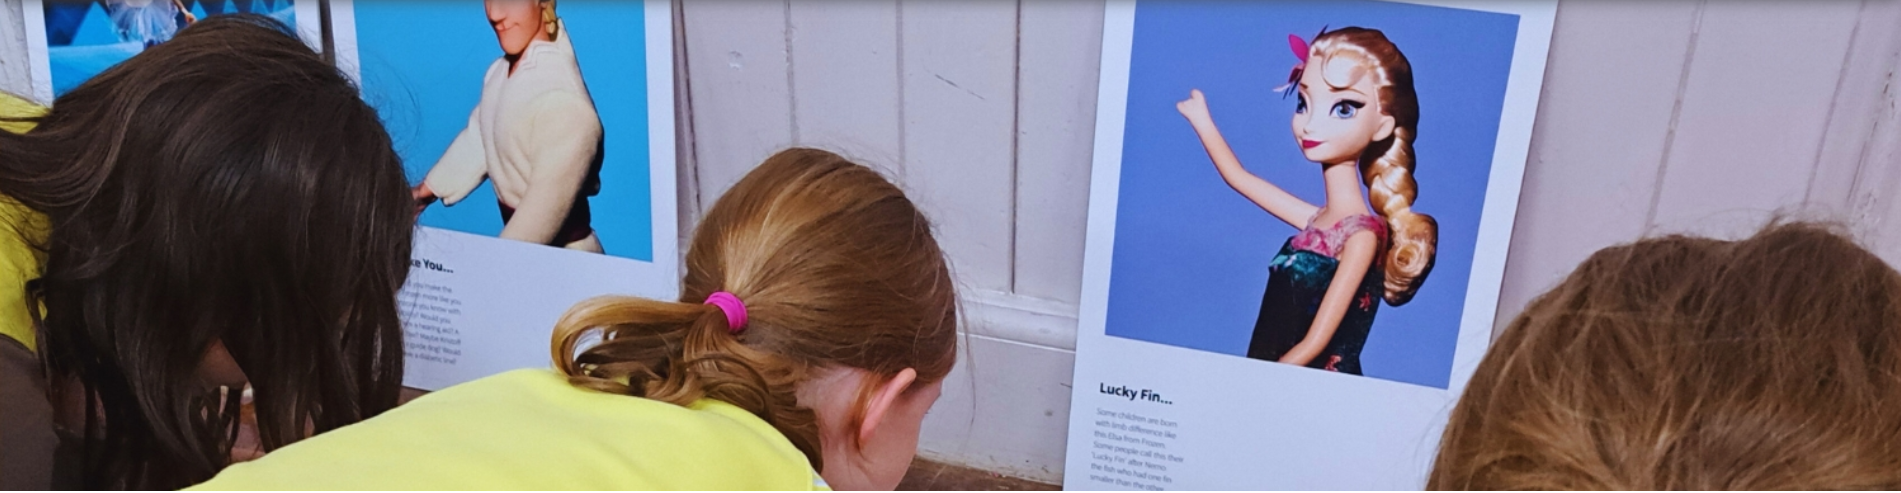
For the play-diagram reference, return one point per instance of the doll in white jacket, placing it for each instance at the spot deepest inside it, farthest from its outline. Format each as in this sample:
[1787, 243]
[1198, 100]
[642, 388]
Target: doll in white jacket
[534, 134]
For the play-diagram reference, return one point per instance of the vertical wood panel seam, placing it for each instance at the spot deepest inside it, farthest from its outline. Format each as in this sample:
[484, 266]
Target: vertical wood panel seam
[1828, 118]
[791, 87]
[1016, 146]
[1676, 115]
[903, 124]
[1861, 208]
[693, 141]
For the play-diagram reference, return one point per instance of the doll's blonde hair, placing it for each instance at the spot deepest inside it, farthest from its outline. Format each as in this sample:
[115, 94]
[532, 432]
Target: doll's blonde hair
[1387, 165]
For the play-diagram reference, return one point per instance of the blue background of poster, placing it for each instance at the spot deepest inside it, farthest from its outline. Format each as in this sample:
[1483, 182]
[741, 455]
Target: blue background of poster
[422, 64]
[1191, 255]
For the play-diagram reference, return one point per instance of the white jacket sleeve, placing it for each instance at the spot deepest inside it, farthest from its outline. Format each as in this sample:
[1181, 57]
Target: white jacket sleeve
[559, 142]
[462, 166]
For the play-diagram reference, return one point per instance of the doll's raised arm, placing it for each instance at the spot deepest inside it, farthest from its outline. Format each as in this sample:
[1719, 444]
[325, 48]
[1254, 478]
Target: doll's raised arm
[1290, 209]
[461, 168]
[1355, 258]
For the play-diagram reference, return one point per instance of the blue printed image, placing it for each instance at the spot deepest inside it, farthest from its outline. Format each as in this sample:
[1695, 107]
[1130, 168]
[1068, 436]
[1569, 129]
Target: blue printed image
[516, 121]
[1198, 265]
[84, 38]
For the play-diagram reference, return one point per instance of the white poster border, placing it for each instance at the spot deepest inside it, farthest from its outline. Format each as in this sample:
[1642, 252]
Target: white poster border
[1378, 434]
[505, 329]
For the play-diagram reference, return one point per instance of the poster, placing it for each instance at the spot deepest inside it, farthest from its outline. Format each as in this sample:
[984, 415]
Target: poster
[1215, 349]
[69, 41]
[544, 151]
[547, 179]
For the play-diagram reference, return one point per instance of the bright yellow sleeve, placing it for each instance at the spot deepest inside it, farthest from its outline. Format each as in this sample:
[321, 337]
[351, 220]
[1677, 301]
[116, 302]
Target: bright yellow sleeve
[20, 229]
[531, 430]
[12, 106]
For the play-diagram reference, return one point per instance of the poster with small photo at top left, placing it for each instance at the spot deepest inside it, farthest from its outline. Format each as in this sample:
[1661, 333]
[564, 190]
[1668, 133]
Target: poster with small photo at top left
[538, 139]
[70, 41]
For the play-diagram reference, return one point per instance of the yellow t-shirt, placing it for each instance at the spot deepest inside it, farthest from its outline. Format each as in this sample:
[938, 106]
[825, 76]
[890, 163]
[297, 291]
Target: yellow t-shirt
[531, 430]
[20, 229]
[12, 106]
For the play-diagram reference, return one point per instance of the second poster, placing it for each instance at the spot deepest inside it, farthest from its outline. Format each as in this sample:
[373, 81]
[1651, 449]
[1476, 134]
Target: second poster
[1298, 222]
[538, 137]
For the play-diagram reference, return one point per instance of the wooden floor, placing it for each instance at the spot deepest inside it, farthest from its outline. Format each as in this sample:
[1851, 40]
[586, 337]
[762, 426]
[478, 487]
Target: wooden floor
[933, 476]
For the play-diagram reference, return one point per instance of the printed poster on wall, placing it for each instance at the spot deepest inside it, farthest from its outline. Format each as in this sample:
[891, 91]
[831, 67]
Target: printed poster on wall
[1298, 222]
[538, 135]
[539, 140]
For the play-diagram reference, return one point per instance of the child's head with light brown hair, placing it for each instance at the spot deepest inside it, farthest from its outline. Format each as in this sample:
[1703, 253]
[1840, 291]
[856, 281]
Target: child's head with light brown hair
[1772, 362]
[850, 326]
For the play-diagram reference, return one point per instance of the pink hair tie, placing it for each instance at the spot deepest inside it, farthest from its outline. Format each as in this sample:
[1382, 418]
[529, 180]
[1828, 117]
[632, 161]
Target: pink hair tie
[735, 309]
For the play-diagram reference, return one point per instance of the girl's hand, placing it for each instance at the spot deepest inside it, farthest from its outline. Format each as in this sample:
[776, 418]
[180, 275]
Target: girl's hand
[1195, 108]
[423, 197]
[247, 446]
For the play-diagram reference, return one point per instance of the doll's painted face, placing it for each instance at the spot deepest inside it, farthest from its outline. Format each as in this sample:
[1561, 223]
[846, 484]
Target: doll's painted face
[517, 23]
[1339, 112]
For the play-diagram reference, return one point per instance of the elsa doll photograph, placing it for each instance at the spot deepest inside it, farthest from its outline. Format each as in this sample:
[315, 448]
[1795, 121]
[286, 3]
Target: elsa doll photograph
[1337, 229]
[85, 37]
[1355, 117]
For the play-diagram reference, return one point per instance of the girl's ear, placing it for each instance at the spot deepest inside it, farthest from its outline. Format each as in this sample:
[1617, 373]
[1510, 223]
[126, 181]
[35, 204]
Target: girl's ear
[1386, 128]
[883, 398]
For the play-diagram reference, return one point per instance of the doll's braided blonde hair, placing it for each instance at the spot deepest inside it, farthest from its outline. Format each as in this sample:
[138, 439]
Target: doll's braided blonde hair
[1387, 165]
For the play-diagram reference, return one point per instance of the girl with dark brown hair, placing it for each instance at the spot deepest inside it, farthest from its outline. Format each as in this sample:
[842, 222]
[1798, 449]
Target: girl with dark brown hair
[1768, 363]
[221, 210]
[815, 327]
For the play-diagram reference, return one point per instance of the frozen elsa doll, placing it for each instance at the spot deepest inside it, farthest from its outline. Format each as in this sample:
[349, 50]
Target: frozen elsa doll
[147, 22]
[534, 133]
[1355, 116]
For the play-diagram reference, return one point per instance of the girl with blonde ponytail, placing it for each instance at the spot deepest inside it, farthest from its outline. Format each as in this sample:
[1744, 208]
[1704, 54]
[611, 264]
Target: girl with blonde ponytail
[1324, 284]
[815, 326]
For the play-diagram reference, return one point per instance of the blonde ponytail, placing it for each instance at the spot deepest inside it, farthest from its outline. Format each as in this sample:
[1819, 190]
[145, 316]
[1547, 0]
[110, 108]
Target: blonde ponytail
[836, 268]
[679, 353]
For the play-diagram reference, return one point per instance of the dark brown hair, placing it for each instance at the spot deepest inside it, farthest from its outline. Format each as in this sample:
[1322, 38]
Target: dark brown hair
[1769, 363]
[226, 186]
[836, 268]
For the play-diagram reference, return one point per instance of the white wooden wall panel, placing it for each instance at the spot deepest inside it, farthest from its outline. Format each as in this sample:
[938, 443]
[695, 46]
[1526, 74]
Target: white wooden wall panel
[1855, 122]
[1011, 417]
[1761, 83]
[1060, 43]
[845, 89]
[959, 102]
[14, 70]
[1593, 167]
[1877, 209]
[738, 78]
